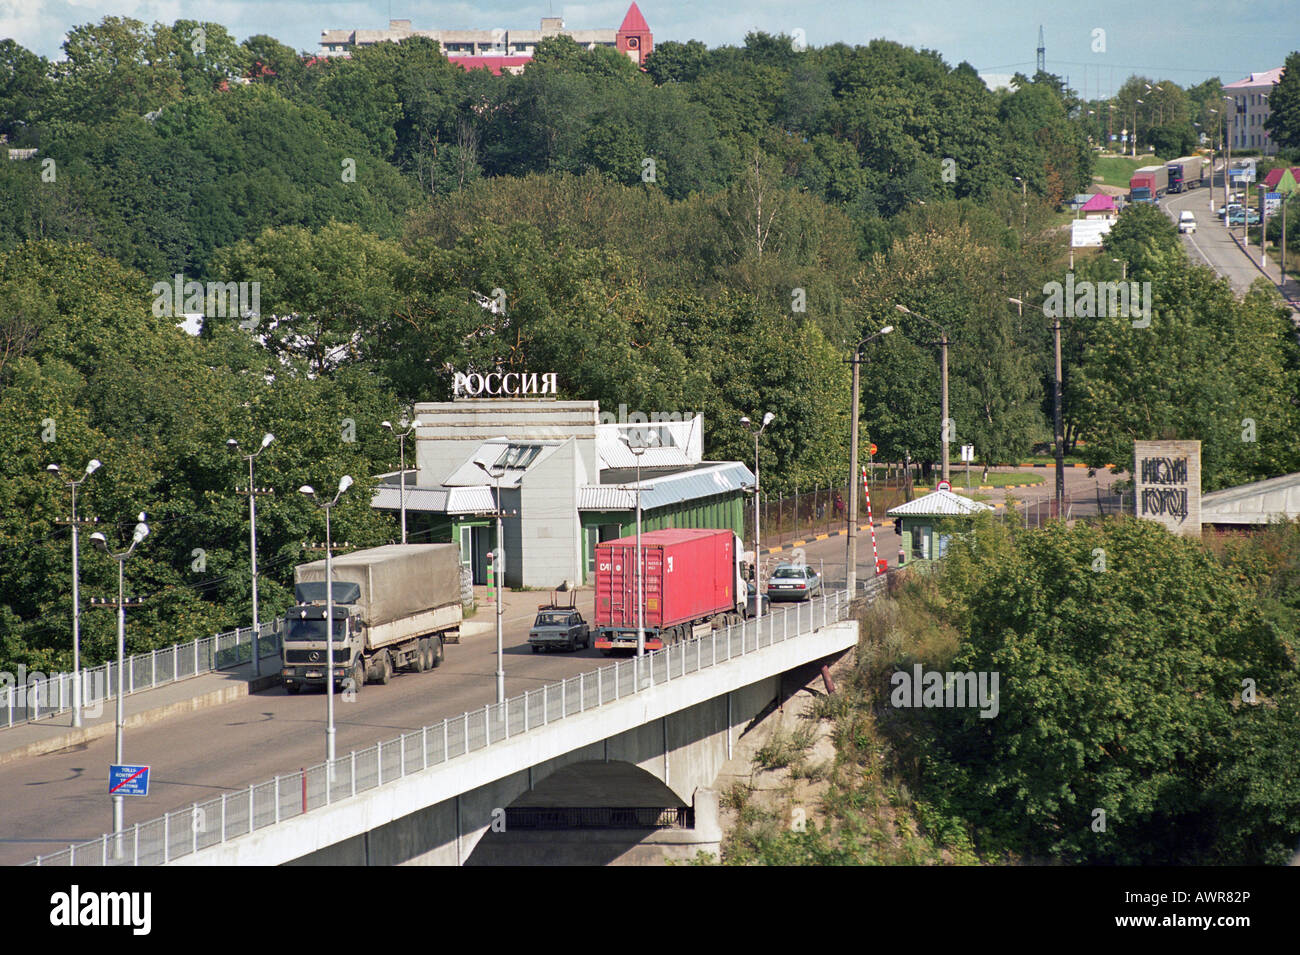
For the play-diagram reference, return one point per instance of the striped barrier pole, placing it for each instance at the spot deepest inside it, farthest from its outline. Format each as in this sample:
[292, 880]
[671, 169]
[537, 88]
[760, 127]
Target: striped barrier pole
[875, 553]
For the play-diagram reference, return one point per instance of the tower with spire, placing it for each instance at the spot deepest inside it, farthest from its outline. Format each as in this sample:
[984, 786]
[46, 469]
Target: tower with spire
[634, 37]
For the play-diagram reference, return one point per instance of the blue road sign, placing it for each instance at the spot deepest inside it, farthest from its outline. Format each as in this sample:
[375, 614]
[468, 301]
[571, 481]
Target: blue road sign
[128, 780]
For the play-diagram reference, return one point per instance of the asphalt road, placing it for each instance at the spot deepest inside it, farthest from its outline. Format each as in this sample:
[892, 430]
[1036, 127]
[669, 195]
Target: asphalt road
[1211, 244]
[47, 802]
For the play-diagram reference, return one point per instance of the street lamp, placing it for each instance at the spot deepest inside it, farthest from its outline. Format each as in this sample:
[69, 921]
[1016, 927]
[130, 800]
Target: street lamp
[401, 441]
[768, 418]
[943, 343]
[496, 472]
[345, 482]
[1024, 202]
[637, 450]
[851, 581]
[100, 541]
[253, 492]
[91, 468]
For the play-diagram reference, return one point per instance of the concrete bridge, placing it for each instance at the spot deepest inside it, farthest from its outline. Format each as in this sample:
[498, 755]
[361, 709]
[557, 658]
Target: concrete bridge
[617, 763]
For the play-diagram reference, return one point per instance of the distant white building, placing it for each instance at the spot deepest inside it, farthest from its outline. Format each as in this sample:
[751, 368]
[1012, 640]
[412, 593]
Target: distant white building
[1251, 110]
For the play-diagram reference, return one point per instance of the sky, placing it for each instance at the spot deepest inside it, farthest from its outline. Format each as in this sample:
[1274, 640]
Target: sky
[1186, 41]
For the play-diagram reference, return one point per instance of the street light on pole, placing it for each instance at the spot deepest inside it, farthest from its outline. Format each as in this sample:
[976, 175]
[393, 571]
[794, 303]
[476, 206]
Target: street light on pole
[345, 482]
[253, 493]
[1057, 430]
[944, 429]
[401, 442]
[496, 472]
[91, 468]
[768, 418]
[851, 571]
[100, 541]
[637, 450]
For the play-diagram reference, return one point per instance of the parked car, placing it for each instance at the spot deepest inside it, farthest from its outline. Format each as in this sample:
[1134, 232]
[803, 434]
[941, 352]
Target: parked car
[790, 582]
[1238, 216]
[558, 627]
[1187, 222]
[755, 601]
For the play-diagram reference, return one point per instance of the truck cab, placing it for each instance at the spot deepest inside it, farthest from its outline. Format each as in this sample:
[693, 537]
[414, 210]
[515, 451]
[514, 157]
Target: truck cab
[304, 647]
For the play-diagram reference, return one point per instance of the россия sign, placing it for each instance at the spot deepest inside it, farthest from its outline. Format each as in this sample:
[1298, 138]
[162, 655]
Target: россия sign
[509, 384]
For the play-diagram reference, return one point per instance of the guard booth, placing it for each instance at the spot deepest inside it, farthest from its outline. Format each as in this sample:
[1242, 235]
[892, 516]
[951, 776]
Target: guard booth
[921, 519]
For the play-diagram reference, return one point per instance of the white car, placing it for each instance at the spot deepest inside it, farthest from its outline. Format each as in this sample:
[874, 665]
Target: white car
[1187, 222]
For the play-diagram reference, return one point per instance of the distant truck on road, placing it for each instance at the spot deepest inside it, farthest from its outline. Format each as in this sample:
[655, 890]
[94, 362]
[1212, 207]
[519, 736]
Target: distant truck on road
[692, 582]
[1148, 184]
[395, 607]
[1186, 173]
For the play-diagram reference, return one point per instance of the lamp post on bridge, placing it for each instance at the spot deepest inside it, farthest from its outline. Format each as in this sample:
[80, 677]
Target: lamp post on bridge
[768, 418]
[91, 468]
[253, 493]
[345, 482]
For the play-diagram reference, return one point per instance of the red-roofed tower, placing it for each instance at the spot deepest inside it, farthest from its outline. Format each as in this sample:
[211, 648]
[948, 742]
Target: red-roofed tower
[634, 36]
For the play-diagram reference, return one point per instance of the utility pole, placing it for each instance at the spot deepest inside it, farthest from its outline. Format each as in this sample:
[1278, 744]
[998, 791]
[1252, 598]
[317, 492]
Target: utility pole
[91, 468]
[851, 560]
[944, 435]
[253, 494]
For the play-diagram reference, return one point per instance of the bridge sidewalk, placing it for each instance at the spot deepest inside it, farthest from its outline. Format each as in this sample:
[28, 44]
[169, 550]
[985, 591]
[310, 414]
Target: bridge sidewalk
[141, 708]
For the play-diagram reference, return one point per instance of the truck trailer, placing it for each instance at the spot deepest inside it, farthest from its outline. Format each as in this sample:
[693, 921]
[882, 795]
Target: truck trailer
[395, 607]
[1148, 184]
[1186, 173]
[692, 583]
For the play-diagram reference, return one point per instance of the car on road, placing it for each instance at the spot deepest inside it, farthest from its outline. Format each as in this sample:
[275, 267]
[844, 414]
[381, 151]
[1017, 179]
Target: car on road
[561, 627]
[794, 582]
[755, 602]
[1187, 222]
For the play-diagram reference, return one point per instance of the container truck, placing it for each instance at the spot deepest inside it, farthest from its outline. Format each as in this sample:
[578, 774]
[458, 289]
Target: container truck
[692, 582]
[394, 608]
[1186, 173]
[1148, 184]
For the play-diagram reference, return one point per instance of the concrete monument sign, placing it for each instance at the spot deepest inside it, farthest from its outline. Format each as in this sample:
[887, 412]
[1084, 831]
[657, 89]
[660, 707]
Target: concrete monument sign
[1167, 475]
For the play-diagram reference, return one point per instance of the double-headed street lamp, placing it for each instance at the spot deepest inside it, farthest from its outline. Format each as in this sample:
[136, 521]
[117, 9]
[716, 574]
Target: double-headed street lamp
[1057, 430]
[91, 468]
[100, 541]
[944, 434]
[638, 449]
[401, 442]
[253, 492]
[496, 472]
[345, 482]
[768, 418]
[852, 559]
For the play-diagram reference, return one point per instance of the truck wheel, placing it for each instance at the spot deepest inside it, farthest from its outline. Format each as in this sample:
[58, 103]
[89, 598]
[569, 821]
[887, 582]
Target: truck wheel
[385, 668]
[435, 652]
[358, 673]
[293, 689]
[536, 648]
[421, 655]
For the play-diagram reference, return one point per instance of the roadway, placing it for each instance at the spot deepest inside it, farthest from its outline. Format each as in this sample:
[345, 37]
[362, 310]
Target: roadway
[47, 802]
[1211, 244]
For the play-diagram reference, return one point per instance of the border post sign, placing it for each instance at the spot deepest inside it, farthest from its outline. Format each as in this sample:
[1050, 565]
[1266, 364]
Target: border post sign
[1167, 479]
[128, 780]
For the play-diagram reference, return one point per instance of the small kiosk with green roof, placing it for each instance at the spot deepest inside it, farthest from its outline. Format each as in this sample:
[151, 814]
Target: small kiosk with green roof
[921, 518]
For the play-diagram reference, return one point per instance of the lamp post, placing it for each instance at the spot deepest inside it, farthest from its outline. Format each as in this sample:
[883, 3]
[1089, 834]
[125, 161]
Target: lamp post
[851, 575]
[1057, 430]
[345, 482]
[100, 541]
[1024, 202]
[496, 472]
[91, 468]
[253, 492]
[401, 442]
[943, 350]
[768, 418]
[638, 450]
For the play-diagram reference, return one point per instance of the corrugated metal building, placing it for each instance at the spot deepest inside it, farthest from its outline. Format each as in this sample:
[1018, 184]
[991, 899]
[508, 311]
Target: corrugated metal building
[566, 482]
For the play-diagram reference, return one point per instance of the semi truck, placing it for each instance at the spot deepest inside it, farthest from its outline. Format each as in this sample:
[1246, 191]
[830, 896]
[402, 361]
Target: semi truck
[1148, 184]
[395, 607]
[692, 582]
[1186, 173]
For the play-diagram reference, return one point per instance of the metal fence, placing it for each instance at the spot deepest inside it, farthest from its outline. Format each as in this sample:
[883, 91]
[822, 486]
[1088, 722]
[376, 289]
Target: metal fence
[47, 696]
[239, 813]
[805, 514]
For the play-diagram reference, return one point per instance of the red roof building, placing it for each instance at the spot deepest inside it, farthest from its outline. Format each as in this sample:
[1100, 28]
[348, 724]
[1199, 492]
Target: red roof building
[634, 36]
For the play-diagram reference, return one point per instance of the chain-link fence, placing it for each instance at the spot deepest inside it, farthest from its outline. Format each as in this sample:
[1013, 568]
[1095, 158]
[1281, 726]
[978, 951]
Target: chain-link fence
[804, 514]
[244, 811]
[41, 697]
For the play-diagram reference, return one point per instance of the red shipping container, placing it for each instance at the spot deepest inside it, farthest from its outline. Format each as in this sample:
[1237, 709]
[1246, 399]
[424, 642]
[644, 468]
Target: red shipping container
[688, 574]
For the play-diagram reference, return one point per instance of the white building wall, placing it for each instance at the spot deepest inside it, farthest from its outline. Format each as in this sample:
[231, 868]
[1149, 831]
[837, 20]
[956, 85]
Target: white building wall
[551, 531]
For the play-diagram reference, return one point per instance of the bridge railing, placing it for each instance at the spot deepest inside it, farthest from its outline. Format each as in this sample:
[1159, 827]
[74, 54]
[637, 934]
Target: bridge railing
[46, 696]
[238, 813]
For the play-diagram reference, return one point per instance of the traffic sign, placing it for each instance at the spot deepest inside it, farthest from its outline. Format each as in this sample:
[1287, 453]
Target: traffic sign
[872, 451]
[968, 452]
[128, 780]
[945, 485]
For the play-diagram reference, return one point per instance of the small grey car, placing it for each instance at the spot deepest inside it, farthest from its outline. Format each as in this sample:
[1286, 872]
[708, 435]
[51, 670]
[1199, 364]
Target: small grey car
[559, 627]
[792, 582]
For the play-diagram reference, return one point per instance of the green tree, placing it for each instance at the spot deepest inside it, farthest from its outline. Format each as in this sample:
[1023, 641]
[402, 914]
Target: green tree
[1283, 122]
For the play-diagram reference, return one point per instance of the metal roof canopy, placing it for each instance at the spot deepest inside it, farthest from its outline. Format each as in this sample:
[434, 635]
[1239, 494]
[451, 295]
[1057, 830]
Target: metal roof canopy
[939, 504]
[708, 480]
